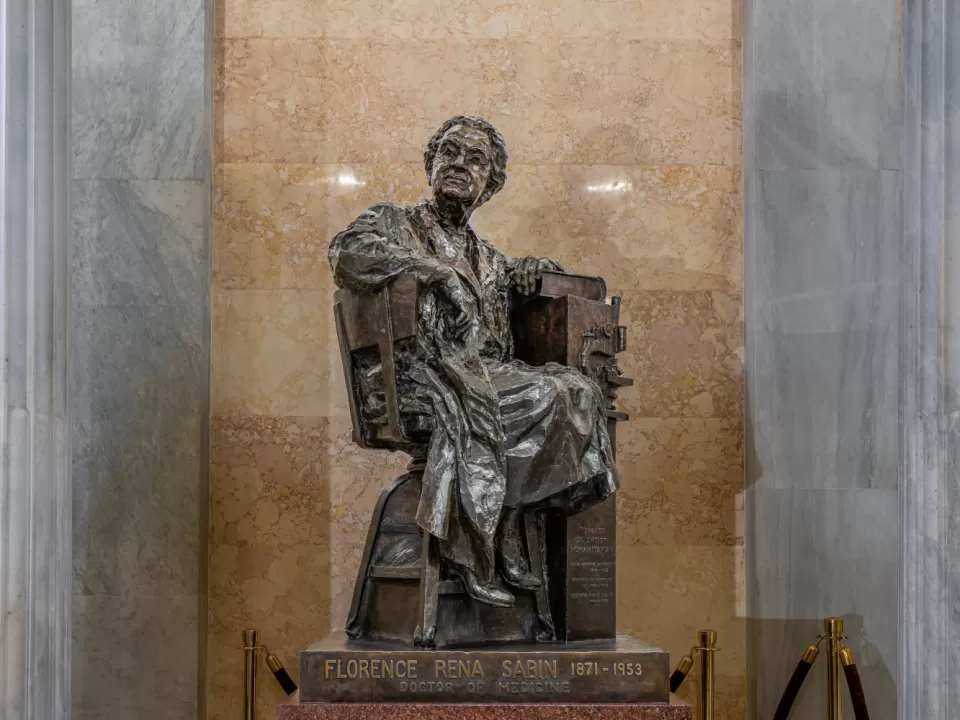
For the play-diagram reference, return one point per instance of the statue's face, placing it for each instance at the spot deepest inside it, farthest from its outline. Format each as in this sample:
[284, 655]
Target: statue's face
[462, 165]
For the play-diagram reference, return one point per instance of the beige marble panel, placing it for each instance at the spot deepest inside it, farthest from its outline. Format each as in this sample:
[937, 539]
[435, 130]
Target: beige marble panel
[477, 19]
[273, 353]
[269, 546]
[676, 102]
[624, 102]
[670, 227]
[685, 350]
[334, 101]
[290, 506]
[272, 98]
[433, 19]
[657, 228]
[730, 688]
[276, 220]
[667, 594]
[673, 19]
[681, 483]
[274, 18]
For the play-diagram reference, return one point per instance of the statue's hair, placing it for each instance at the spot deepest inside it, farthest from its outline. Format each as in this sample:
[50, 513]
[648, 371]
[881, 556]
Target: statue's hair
[498, 173]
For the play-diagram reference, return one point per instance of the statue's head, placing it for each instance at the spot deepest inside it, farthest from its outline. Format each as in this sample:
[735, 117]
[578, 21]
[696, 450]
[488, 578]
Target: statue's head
[466, 160]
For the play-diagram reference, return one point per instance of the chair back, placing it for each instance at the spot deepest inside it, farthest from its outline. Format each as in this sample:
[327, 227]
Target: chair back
[377, 320]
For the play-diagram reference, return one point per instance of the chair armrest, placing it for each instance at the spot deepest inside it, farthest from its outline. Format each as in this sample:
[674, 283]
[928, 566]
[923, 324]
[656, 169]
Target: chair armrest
[559, 284]
[567, 320]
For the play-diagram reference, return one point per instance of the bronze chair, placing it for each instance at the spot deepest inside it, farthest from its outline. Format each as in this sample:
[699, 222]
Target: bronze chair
[399, 584]
[377, 322]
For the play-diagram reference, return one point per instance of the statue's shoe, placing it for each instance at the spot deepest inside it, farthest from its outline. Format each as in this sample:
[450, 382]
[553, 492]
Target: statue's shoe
[520, 578]
[488, 594]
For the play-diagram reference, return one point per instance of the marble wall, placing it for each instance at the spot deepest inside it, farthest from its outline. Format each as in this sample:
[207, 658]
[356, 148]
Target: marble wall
[140, 355]
[823, 260]
[35, 489]
[623, 124]
[930, 302]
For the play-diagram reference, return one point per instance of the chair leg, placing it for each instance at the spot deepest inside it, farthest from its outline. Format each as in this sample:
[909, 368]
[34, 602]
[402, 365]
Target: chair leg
[534, 523]
[426, 632]
[355, 623]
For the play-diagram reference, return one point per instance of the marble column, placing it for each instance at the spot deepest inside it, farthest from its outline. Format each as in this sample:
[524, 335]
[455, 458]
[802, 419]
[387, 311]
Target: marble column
[823, 282]
[34, 300]
[930, 359]
[140, 366]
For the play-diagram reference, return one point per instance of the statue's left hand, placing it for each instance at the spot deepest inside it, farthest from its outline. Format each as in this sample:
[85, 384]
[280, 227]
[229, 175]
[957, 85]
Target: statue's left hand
[528, 270]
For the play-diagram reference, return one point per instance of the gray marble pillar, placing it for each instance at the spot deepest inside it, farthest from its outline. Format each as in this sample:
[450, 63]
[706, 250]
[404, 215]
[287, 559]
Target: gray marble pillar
[823, 253]
[930, 358]
[140, 370]
[853, 331]
[34, 301]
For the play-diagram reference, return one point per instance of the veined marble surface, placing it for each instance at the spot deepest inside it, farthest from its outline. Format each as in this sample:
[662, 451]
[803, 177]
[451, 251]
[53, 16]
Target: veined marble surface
[141, 241]
[823, 83]
[140, 365]
[818, 553]
[951, 397]
[824, 267]
[35, 488]
[138, 89]
[823, 252]
[930, 494]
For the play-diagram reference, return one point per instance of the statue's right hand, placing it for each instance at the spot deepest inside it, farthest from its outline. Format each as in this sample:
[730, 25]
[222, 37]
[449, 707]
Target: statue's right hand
[462, 304]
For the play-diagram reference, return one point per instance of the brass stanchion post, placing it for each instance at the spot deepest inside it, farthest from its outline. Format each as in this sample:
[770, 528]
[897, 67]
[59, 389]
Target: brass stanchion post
[708, 646]
[833, 630]
[250, 648]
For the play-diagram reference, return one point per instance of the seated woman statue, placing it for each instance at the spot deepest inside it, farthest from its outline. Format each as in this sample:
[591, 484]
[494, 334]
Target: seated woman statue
[505, 436]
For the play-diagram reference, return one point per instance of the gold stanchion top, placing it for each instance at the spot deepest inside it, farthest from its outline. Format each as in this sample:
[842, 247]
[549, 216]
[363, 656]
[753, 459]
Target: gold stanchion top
[833, 626]
[708, 638]
[249, 639]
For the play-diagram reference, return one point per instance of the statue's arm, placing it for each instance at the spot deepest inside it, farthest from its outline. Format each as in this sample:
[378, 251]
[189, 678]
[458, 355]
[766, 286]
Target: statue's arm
[371, 252]
[521, 273]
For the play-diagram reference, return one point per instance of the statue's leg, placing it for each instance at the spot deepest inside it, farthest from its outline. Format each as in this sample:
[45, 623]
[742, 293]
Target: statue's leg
[534, 522]
[513, 556]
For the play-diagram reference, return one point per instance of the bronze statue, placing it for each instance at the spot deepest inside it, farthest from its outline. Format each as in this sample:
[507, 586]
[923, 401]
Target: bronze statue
[428, 318]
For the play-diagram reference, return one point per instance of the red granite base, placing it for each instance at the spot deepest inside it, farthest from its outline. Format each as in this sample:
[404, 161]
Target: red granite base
[676, 709]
